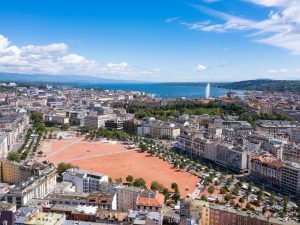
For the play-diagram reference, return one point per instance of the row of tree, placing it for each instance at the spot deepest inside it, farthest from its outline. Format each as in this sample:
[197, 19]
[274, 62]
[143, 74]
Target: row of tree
[102, 132]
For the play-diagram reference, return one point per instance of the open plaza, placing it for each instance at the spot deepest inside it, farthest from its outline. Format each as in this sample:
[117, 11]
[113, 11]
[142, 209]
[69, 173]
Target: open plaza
[115, 160]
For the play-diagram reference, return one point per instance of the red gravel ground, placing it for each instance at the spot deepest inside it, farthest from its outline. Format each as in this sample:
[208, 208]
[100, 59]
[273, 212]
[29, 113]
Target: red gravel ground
[117, 161]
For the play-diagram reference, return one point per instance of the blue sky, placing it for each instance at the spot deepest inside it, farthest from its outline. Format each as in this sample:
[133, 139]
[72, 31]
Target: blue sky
[166, 40]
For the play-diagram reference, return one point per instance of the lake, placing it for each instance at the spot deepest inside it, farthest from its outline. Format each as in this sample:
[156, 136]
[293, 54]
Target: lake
[160, 90]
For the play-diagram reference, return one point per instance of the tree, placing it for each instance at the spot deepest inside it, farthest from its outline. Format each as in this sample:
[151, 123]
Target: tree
[241, 200]
[14, 156]
[227, 197]
[211, 190]
[239, 184]
[256, 202]
[250, 186]
[272, 199]
[40, 127]
[223, 190]
[62, 167]
[285, 203]
[36, 117]
[119, 180]
[140, 182]
[217, 183]
[206, 182]
[129, 179]
[143, 147]
[155, 186]
[236, 190]
[203, 198]
[229, 181]
[166, 193]
[65, 126]
[176, 196]
[248, 206]
[174, 186]
[281, 214]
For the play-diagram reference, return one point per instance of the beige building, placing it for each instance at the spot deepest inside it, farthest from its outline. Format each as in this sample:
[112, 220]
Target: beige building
[13, 173]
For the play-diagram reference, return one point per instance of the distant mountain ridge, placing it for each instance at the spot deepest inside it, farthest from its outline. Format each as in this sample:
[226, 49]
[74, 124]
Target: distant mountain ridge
[249, 85]
[263, 85]
[46, 78]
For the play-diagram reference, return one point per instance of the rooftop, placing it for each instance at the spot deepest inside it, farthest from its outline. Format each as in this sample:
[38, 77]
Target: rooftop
[41, 218]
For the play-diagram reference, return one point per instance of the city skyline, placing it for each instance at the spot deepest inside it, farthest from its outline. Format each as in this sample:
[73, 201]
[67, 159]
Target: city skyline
[199, 41]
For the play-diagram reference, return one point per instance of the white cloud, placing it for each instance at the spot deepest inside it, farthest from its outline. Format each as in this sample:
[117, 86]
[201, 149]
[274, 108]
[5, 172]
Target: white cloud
[200, 68]
[172, 19]
[281, 28]
[56, 59]
[73, 58]
[269, 3]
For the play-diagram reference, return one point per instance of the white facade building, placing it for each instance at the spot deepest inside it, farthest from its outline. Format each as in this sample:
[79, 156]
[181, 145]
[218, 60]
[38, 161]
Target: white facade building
[84, 181]
[34, 188]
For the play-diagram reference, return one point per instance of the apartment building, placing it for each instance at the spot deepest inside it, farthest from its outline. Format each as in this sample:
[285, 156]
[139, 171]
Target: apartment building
[235, 158]
[144, 217]
[267, 168]
[102, 110]
[242, 127]
[127, 196]
[210, 150]
[294, 135]
[7, 213]
[13, 126]
[186, 142]
[42, 218]
[220, 215]
[290, 178]
[130, 126]
[34, 188]
[96, 121]
[115, 124]
[150, 201]
[84, 181]
[3, 145]
[13, 172]
[275, 126]
[68, 198]
[84, 213]
[291, 153]
[56, 119]
[113, 217]
[153, 128]
[103, 200]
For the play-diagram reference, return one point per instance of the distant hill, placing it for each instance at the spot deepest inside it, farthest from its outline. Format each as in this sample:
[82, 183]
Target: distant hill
[250, 85]
[263, 85]
[56, 79]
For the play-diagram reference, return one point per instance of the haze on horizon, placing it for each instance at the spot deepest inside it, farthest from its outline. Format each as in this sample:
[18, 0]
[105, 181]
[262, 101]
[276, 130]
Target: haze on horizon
[170, 40]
